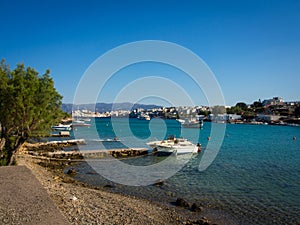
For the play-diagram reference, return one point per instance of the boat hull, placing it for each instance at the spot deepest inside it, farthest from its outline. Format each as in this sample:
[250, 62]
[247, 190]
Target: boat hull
[192, 125]
[62, 128]
[81, 125]
[181, 146]
[178, 149]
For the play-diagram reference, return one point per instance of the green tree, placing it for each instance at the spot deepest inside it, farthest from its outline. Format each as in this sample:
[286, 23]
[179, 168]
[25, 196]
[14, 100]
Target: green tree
[29, 104]
[205, 113]
[297, 111]
[242, 105]
[257, 105]
[234, 110]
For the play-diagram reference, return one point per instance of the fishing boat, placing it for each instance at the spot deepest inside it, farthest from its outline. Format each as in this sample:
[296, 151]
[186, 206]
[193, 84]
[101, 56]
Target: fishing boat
[174, 145]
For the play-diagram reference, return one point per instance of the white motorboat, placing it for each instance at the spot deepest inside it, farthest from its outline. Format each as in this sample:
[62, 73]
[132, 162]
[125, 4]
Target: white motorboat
[144, 117]
[62, 127]
[193, 123]
[86, 119]
[80, 123]
[176, 145]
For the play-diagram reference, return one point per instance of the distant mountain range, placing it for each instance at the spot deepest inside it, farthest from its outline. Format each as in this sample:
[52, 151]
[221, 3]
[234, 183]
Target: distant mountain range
[105, 107]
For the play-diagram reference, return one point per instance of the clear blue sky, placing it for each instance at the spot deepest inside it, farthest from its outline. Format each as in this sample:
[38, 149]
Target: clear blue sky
[253, 47]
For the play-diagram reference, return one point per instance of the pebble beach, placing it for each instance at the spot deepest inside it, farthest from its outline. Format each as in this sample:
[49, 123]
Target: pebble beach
[82, 204]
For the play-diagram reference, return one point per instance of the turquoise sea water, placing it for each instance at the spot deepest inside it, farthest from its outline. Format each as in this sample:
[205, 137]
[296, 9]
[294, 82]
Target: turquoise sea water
[255, 178]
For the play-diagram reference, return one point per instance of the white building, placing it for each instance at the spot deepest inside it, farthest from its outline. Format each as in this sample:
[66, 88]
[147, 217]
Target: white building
[273, 101]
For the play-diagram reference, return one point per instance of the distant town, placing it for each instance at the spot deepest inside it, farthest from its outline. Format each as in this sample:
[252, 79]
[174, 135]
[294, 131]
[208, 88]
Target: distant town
[270, 111]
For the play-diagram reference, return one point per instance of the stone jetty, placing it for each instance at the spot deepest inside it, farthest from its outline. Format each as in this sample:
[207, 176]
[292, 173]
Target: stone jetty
[55, 150]
[92, 154]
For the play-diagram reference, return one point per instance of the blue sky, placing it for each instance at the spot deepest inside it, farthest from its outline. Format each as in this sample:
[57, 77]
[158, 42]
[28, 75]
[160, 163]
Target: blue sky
[253, 47]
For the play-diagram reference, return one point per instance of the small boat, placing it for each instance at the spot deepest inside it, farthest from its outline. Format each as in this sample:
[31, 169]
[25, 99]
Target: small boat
[80, 124]
[61, 134]
[144, 117]
[174, 145]
[62, 127]
[84, 119]
[194, 123]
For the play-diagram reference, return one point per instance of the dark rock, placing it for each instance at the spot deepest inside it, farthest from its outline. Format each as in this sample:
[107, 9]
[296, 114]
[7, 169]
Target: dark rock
[197, 222]
[196, 208]
[115, 154]
[159, 183]
[182, 203]
[72, 171]
[204, 221]
[108, 186]
[171, 194]
[92, 172]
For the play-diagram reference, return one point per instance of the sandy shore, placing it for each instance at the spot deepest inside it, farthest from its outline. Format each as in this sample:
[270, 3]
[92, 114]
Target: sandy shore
[81, 204]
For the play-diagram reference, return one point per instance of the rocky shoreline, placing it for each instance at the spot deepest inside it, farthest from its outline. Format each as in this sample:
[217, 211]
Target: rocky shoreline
[84, 204]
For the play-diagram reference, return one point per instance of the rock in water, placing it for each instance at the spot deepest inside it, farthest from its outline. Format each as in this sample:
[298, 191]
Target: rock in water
[72, 172]
[182, 203]
[159, 182]
[196, 208]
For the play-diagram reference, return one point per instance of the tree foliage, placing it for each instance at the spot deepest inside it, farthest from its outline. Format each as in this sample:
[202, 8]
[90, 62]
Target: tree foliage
[297, 111]
[29, 103]
[246, 112]
[257, 104]
[242, 105]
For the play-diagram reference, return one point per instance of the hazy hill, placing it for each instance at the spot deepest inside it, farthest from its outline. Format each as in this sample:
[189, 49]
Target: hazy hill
[104, 107]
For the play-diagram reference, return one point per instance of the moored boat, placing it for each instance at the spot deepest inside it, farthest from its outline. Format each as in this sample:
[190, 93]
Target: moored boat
[144, 117]
[62, 127]
[80, 124]
[174, 145]
[194, 123]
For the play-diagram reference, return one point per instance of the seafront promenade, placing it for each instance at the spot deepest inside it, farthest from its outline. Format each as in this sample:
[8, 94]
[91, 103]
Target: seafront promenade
[23, 200]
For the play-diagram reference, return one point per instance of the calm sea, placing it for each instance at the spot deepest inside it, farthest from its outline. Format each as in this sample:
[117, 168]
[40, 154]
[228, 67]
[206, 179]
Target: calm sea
[255, 178]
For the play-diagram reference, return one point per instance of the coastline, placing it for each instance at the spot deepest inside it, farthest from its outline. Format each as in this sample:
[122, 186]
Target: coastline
[83, 204]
